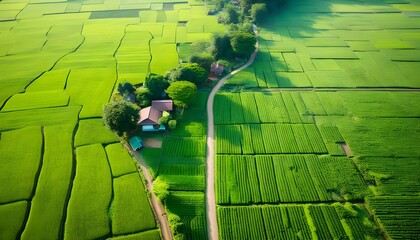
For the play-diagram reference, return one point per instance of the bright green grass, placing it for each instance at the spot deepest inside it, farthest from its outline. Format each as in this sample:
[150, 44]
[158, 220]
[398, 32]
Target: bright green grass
[12, 219]
[245, 78]
[133, 57]
[90, 88]
[36, 117]
[183, 182]
[330, 79]
[120, 160]
[52, 80]
[381, 104]
[24, 101]
[152, 156]
[377, 137]
[92, 131]
[185, 51]
[87, 212]
[146, 235]
[130, 209]
[164, 57]
[18, 168]
[285, 79]
[51, 193]
[189, 129]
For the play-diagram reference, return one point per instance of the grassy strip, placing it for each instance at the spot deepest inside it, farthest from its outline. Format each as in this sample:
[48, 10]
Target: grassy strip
[130, 210]
[119, 160]
[33, 100]
[87, 213]
[20, 152]
[37, 117]
[100, 134]
[11, 220]
[51, 192]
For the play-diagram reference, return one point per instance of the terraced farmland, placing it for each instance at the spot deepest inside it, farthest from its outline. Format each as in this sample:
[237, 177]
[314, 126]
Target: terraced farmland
[64, 175]
[328, 74]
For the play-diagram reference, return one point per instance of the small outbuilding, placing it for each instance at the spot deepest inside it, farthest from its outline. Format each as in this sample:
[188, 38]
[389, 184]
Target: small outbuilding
[136, 143]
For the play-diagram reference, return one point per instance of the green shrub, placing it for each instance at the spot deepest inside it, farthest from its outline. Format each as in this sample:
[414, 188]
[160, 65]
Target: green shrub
[172, 124]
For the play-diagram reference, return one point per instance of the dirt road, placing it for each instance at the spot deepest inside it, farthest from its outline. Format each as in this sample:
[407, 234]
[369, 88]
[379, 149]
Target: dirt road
[158, 209]
[210, 197]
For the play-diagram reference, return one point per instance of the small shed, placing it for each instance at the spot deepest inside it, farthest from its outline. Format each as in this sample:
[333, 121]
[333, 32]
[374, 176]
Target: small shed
[136, 143]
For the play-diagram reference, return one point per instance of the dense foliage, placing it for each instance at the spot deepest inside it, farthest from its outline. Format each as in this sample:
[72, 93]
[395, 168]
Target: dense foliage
[182, 92]
[156, 84]
[120, 116]
[191, 72]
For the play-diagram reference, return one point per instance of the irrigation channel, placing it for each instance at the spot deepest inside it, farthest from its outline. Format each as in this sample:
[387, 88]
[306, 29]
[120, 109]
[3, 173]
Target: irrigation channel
[210, 197]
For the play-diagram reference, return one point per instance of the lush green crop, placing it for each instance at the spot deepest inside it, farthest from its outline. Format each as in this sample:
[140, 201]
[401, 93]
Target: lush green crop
[101, 134]
[56, 98]
[397, 215]
[18, 168]
[53, 184]
[87, 212]
[188, 147]
[13, 216]
[130, 209]
[146, 235]
[120, 160]
[39, 117]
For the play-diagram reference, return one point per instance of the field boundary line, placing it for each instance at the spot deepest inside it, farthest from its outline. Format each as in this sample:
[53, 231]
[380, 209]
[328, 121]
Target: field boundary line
[210, 153]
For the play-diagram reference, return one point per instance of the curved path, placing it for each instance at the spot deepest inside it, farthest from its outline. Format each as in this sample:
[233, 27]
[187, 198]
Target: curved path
[158, 209]
[210, 196]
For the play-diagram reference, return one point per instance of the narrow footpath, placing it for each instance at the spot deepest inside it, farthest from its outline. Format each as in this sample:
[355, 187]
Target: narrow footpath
[210, 196]
[158, 209]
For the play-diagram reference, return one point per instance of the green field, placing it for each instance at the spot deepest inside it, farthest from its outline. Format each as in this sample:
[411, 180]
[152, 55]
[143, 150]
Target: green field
[180, 164]
[327, 74]
[60, 167]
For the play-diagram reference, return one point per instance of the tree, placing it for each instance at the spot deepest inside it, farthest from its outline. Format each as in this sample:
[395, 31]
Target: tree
[229, 15]
[143, 97]
[160, 189]
[259, 12]
[182, 92]
[191, 72]
[121, 116]
[203, 59]
[125, 88]
[245, 7]
[243, 43]
[156, 85]
[221, 47]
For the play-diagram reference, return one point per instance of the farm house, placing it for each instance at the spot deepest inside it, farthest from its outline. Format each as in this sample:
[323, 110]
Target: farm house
[149, 117]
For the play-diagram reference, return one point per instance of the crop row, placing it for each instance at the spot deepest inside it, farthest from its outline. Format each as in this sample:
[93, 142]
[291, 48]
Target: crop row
[288, 222]
[269, 138]
[247, 107]
[398, 215]
[190, 207]
[286, 178]
[185, 147]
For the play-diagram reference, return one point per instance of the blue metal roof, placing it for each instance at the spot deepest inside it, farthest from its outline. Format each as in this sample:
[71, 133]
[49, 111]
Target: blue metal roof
[136, 143]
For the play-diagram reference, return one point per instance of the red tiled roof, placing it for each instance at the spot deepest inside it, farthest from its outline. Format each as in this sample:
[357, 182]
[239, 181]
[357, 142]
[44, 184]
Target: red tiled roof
[149, 116]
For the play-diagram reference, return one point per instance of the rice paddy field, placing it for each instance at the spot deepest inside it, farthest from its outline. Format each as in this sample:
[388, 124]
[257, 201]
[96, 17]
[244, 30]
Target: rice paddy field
[319, 138]
[63, 174]
[180, 162]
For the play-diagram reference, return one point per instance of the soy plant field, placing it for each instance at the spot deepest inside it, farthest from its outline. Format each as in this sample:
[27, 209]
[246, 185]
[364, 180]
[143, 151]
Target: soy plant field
[319, 138]
[180, 163]
[63, 174]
